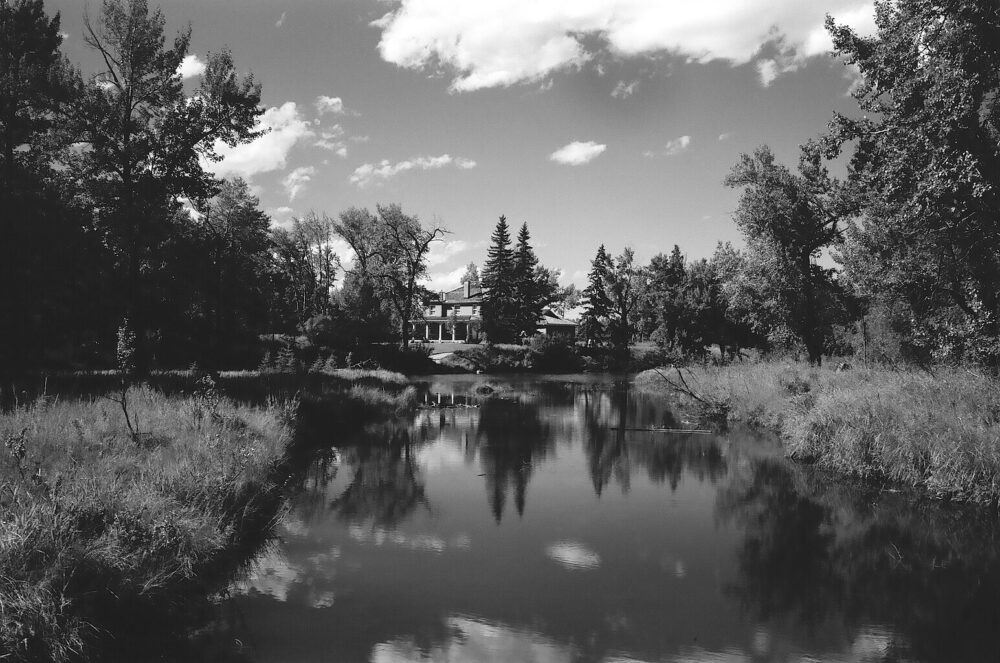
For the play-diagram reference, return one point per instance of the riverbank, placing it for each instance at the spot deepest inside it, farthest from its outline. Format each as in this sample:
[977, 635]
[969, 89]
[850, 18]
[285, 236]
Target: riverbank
[938, 432]
[543, 355]
[104, 520]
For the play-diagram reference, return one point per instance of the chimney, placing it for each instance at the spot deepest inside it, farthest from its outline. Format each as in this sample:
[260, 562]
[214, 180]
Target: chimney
[468, 289]
[441, 295]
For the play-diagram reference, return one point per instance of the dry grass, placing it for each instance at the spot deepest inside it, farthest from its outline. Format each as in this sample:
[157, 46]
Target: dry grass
[938, 431]
[92, 515]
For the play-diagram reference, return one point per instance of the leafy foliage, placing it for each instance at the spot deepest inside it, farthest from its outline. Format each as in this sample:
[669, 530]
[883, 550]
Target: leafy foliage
[926, 167]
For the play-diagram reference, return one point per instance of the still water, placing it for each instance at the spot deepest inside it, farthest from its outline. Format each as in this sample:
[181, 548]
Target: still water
[537, 525]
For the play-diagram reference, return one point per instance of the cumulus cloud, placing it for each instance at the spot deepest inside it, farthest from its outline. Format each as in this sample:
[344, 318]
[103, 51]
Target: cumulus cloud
[623, 90]
[677, 145]
[325, 104]
[496, 43]
[445, 280]
[296, 180]
[725, 136]
[371, 173]
[191, 66]
[442, 252]
[578, 153]
[285, 127]
[673, 147]
[333, 139]
[281, 21]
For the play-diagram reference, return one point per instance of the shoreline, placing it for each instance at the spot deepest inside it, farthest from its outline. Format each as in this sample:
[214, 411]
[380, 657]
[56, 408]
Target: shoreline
[938, 433]
[103, 526]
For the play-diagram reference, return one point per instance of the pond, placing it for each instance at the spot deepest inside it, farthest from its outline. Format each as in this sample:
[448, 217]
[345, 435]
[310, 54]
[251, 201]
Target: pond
[538, 524]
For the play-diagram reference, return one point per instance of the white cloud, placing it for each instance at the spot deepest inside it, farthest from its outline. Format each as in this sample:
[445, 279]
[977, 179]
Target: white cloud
[725, 136]
[325, 104]
[296, 180]
[285, 127]
[191, 66]
[333, 139]
[281, 21]
[673, 147]
[676, 146]
[370, 173]
[496, 43]
[578, 153]
[283, 210]
[623, 91]
[442, 252]
[448, 280]
[63, 36]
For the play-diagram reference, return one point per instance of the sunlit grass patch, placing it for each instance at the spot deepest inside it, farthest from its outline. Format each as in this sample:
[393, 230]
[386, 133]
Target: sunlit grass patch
[938, 431]
[92, 515]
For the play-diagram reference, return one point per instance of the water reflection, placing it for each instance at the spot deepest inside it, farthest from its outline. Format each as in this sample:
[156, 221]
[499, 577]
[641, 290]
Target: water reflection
[386, 486]
[511, 440]
[817, 555]
[402, 545]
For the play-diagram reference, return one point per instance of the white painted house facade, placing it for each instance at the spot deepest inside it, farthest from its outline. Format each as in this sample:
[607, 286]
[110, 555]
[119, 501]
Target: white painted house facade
[456, 316]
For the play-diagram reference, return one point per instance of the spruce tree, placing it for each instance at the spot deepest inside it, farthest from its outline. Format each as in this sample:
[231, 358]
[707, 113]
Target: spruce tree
[527, 293]
[594, 322]
[499, 306]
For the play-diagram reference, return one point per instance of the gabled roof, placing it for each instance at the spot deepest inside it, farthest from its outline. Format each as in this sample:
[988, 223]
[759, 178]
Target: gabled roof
[457, 296]
[551, 319]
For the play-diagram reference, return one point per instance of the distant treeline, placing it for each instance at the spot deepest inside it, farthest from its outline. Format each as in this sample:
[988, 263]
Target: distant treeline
[914, 229]
[110, 219]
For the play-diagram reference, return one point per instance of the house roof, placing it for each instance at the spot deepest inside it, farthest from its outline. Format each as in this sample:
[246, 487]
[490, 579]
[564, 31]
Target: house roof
[551, 319]
[457, 296]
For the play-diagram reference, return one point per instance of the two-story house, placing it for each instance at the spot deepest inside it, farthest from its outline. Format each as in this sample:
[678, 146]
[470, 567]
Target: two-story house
[456, 316]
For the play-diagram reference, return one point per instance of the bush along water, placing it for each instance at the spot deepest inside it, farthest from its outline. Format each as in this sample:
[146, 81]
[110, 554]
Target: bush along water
[935, 431]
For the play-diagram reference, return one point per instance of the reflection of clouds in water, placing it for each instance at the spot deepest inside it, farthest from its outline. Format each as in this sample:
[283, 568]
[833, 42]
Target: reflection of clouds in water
[573, 555]
[293, 525]
[873, 644]
[474, 640]
[761, 641]
[271, 575]
[276, 576]
[438, 456]
[380, 536]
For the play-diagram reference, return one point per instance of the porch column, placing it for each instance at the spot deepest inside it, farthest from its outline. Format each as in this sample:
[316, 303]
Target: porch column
[453, 333]
[427, 331]
[440, 331]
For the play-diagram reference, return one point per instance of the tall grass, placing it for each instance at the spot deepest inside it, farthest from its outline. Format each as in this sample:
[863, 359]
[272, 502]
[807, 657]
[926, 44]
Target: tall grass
[937, 431]
[94, 520]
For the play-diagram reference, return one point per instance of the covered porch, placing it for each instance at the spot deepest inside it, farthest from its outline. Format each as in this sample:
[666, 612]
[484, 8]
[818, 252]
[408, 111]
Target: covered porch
[462, 331]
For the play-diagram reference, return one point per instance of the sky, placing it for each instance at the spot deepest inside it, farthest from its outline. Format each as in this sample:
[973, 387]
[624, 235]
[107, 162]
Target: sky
[593, 121]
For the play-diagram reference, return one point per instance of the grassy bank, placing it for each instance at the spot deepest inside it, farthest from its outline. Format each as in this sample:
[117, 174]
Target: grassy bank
[938, 432]
[100, 524]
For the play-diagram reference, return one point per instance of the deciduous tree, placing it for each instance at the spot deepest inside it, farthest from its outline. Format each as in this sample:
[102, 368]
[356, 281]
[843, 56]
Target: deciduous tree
[926, 161]
[144, 143]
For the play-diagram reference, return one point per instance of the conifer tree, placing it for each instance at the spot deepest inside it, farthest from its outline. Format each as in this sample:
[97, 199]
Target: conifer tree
[528, 298]
[593, 323]
[499, 304]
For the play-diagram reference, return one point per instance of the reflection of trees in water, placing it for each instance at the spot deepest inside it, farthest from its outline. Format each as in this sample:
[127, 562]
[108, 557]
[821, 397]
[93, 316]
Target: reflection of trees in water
[511, 439]
[815, 554]
[386, 487]
[613, 451]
